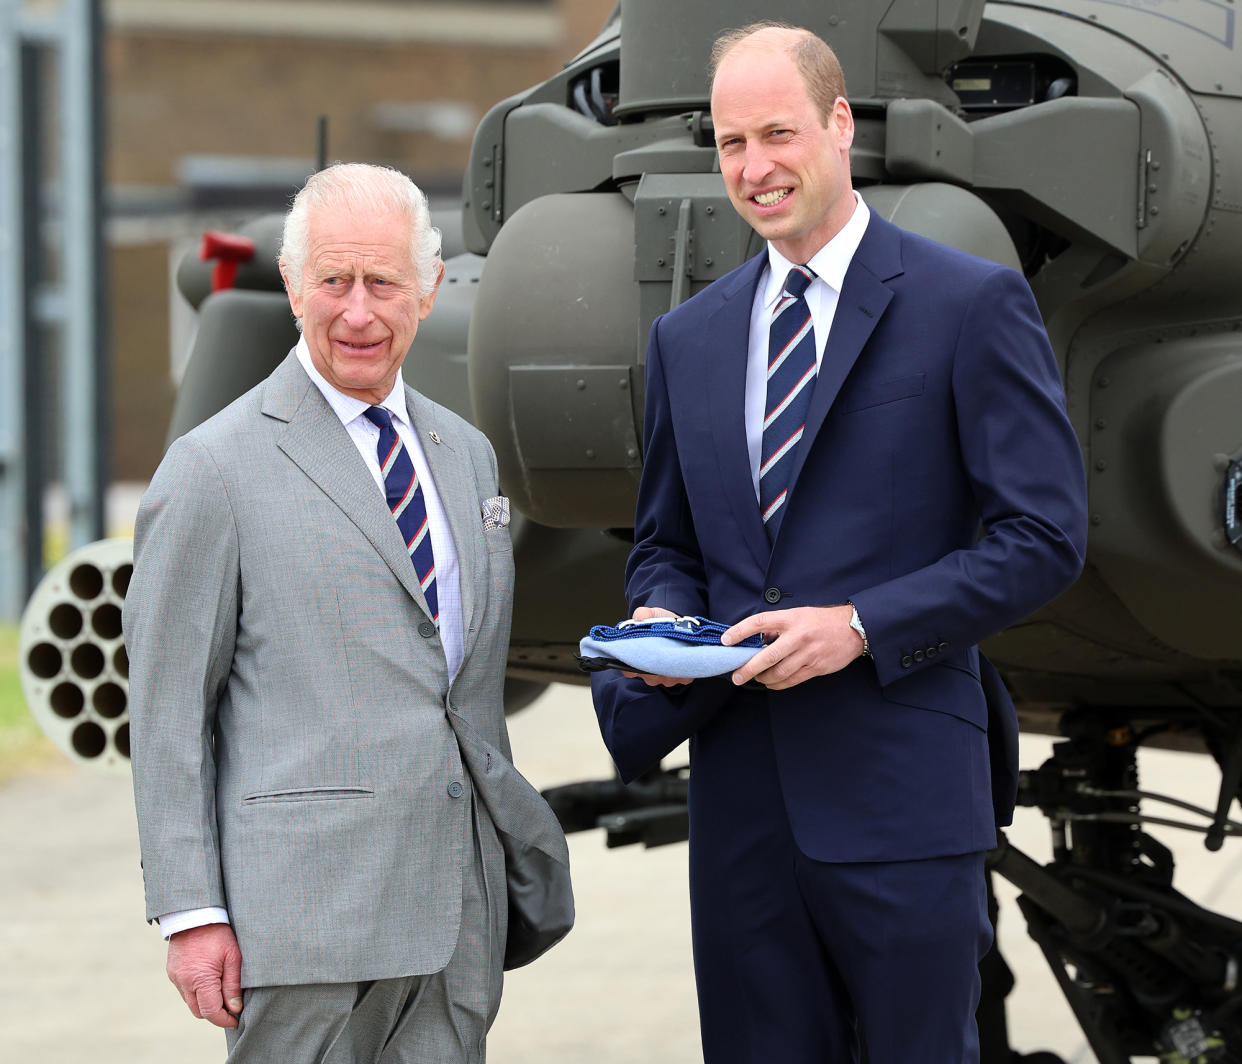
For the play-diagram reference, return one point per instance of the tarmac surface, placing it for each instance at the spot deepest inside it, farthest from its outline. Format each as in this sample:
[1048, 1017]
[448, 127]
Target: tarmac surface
[83, 977]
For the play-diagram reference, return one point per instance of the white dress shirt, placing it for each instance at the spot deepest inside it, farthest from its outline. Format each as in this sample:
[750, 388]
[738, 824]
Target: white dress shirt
[448, 585]
[830, 264]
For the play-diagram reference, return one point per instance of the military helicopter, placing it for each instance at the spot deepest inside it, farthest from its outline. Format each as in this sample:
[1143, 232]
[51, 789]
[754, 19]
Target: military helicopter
[1091, 144]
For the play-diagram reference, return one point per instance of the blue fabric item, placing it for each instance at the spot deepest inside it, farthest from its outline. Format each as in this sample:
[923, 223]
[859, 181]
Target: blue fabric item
[666, 646]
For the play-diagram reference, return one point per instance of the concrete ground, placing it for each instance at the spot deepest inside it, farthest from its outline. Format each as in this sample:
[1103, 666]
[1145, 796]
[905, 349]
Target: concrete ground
[83, 981]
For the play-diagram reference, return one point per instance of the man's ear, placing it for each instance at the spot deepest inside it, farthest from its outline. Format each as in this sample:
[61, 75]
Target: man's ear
[425, 303]
[843, 118]
[294, 294]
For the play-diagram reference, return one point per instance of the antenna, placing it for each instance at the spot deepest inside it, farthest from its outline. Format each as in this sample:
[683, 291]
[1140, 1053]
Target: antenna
[321, 143]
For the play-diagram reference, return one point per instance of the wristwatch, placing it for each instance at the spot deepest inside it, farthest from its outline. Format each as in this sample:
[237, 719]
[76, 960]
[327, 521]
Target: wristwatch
[857, 625]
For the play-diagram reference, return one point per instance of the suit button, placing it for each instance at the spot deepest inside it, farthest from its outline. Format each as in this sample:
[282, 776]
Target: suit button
[455, 789]
[773, 595]
[943, 647]
[931, 652]
[427, 629]
[907, 661]
[919, 655]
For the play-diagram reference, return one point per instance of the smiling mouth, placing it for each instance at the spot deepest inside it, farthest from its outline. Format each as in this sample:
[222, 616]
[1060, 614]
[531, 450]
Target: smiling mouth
[359, 347]
[771, 199]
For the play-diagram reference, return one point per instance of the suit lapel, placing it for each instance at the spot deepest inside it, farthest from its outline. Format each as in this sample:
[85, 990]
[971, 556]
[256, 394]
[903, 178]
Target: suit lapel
[728, 338]
[863, 300]
[455, 483]
[317, 443]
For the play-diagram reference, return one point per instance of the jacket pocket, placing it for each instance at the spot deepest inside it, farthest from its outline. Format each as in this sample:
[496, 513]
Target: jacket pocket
[307, 794]
[877, 393]
[946, 687]
[498, 540]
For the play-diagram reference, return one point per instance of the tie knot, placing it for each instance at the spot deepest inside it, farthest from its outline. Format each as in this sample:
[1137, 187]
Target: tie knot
[378, 416]
[798, 280]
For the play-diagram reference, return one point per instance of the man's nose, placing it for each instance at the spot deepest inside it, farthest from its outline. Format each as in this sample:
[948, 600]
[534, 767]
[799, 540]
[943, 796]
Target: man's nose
[757, 166]
[358, 306]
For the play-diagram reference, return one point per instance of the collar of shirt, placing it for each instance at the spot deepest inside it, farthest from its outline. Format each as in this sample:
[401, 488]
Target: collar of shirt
[830, 262]
[346, 407]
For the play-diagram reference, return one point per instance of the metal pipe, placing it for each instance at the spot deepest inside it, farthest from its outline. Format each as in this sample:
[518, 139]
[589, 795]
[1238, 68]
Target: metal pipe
[12, 323]
[82, 366]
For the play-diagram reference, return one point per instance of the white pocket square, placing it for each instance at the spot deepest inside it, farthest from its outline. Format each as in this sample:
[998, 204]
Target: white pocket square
[496, 512]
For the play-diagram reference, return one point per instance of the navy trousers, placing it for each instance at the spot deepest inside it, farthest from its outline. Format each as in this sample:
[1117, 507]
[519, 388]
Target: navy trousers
[795, 959]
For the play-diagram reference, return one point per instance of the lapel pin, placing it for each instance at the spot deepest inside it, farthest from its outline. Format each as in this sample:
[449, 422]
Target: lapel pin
[435, 437]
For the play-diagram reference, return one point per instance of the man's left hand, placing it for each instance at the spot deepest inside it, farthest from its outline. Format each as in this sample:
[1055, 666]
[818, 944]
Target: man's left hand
[204, 964]
[803, 642]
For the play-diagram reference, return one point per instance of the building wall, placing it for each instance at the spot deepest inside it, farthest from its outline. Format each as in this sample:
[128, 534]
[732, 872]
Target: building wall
[142, 390]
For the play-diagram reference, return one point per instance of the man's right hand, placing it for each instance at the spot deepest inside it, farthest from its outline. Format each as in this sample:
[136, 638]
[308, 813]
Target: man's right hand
[204, 964]
[645, 613]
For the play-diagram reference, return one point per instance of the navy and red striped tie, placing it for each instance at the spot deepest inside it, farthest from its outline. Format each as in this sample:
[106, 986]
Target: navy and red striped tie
[791, 380]
[405, 499]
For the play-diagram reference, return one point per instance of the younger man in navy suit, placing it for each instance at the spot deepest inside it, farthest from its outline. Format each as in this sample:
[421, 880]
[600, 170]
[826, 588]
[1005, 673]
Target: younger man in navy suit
[856, 444]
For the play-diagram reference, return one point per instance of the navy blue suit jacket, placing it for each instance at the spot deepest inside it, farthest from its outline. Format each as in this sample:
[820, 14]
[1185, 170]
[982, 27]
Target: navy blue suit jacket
[938, 486]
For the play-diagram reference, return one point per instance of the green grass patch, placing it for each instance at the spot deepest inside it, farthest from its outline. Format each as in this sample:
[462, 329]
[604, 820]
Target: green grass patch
[22, 744]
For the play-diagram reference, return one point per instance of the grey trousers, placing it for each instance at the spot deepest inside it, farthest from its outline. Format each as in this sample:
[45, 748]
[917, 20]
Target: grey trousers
[423, 1019]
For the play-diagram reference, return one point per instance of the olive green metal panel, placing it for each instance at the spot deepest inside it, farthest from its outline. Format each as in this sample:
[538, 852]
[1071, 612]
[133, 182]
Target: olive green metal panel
[482, 206]
[1030, 155]
[889, 50]
[557, 305]
[1200, 39]
[1165, 425]
[1175, 161]
[948, 214]
[686, 235]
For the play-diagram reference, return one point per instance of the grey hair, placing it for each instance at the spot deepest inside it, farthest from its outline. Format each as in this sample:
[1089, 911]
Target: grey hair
[365, 188]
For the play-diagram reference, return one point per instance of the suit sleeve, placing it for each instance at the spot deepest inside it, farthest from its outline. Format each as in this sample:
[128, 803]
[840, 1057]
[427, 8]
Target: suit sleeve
[180, 617]
[1024, 466]
[642, 724]
[665, 567]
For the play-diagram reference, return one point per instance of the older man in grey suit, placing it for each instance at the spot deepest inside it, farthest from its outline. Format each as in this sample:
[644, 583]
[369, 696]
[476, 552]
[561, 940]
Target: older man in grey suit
[322, 773]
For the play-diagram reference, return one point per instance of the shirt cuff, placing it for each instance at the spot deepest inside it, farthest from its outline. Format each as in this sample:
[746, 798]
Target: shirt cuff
[183, 920]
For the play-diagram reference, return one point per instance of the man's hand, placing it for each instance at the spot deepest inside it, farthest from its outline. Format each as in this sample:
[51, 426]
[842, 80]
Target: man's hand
[204, 964]
[802, 642]
[645, 613]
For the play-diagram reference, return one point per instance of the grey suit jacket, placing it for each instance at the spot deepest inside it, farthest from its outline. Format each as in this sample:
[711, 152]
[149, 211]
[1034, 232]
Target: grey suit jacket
[294, 733]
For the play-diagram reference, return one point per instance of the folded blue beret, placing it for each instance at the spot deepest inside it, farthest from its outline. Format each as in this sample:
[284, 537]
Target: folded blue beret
[665, 646]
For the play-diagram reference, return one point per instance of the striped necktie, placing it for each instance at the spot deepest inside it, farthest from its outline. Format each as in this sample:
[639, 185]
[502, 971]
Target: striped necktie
[791, 379]
[405, 499]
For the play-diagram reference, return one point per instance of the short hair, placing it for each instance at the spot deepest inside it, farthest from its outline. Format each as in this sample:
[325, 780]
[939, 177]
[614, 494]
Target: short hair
[817, 63]
[363, 187]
